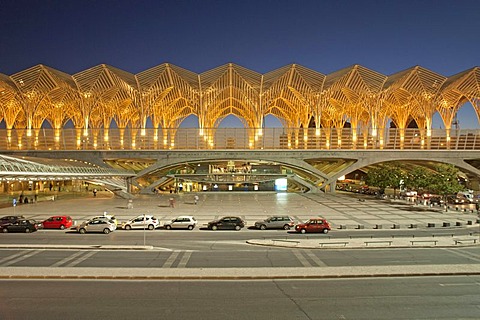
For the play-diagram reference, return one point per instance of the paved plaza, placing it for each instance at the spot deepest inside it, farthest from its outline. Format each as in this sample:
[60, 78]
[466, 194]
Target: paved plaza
[345, 211]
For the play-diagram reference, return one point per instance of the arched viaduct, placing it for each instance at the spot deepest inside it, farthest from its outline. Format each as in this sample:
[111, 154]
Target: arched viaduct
[316, 170]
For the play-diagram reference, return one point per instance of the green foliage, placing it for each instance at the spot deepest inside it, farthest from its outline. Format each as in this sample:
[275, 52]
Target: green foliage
[385, 176]
[444, 180]
[418, 179]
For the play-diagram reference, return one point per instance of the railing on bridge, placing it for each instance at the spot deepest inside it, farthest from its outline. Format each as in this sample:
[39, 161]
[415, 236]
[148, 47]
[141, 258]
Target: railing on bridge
[235, 138]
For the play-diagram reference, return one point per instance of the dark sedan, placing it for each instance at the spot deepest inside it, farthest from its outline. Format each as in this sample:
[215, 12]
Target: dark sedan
[226, 223]
[26, 226]
[10, 219]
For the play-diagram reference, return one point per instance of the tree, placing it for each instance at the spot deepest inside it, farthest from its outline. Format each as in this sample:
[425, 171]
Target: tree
[444, 181]
[418, 178]
[385, 176]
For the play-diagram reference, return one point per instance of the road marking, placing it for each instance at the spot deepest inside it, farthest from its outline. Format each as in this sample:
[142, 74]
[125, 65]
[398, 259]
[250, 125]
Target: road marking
[67, 259]
[314, 258]
[81, 259]
[23, 257]
[186, 256]
[458, 284]
[302, 259]
[13, 256]
[470, 256]
[171, 259]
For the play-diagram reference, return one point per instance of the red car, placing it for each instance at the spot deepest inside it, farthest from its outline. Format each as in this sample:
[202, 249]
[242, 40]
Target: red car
[313, 225]
[58, 222]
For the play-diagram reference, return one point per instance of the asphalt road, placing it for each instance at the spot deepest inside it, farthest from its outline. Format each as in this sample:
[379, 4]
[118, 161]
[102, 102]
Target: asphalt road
[182, 240]
[379, 298]
[216, 250]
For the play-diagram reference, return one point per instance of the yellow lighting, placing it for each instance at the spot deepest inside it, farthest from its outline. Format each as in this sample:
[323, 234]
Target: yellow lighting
[260, 132]
[317, 132]
[29, 132]
[143, 132]
[256, 138]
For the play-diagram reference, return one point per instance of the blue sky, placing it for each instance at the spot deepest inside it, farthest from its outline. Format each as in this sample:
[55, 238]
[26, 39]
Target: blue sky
[263, 35]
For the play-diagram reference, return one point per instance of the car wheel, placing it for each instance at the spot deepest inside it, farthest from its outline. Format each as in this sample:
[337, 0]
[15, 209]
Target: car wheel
[5, 230]
[151, 227]
[238, 228]
[286, 227]
[27, 230]
[82, 231]
[190, 227]
[325, 231]
[128, 227]
[303, 231]
[62, 227]
[262, 227]
[214, 228]
[106, 231]
[168, 227]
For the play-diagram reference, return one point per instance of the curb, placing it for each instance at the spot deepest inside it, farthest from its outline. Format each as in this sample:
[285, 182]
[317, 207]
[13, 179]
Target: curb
[226, 274]
[74, 247]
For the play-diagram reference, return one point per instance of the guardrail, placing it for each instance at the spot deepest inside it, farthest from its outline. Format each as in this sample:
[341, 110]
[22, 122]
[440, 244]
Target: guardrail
[236, 138]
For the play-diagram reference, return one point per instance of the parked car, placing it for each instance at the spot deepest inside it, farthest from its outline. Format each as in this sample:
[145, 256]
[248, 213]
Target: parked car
[108, 217]
[436, 201]
[410, 193]
[10, 219]
[58, 222]
[142, 222]
[182, 222]
[275, 222]
[22, 225]
[97, 225]
[225, 223]
[313, 225]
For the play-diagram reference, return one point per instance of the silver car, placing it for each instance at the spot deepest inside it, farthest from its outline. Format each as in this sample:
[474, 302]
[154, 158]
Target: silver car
[275, 222]
[182, 222]
[97, 225]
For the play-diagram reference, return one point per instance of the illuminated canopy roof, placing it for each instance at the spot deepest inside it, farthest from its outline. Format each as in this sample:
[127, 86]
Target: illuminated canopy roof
[297, 96]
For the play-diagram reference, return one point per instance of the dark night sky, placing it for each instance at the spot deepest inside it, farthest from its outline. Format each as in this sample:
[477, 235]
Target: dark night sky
[262, 35]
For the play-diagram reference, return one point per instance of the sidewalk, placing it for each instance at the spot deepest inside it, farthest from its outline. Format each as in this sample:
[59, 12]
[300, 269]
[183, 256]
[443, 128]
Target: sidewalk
[370, 243]
[73, 273]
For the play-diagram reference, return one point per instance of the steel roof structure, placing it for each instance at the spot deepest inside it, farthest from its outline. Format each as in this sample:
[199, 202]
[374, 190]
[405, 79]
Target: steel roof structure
[37, 169]
[299, 97]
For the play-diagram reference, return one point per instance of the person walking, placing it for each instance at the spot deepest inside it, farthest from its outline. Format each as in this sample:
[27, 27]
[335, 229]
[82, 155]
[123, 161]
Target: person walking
[195, 199]
[95, 192]
[172, 202]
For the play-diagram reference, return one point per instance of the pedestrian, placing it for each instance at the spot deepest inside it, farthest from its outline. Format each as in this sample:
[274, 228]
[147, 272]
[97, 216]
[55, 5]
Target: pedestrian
[172, 202]
[195, 199]
[95, 192]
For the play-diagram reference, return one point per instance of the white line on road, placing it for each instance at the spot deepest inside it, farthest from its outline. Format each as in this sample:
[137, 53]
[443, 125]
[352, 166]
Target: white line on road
[13, 256]
[81, 259]
[470, 256]
[315, 259]
[171, 259]
[302, 259]
[67, 259]
[25, 256]
[186, 256]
